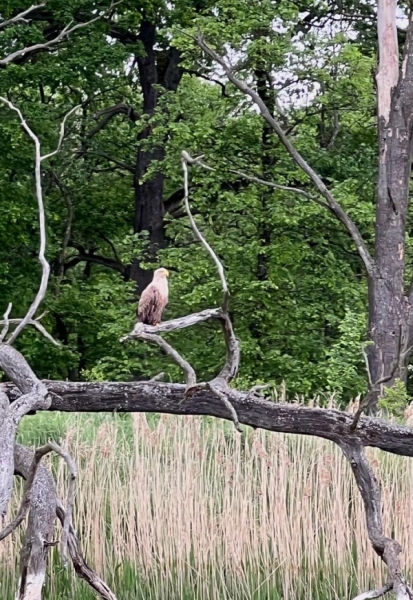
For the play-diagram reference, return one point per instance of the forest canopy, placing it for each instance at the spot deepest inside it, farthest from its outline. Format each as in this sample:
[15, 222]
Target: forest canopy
[114, 194]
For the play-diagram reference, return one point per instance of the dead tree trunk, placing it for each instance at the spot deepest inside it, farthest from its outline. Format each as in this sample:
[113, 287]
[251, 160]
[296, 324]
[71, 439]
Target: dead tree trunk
[389, 304]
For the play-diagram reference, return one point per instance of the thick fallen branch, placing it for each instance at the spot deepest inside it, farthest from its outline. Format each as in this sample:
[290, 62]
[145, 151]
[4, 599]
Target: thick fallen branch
[162, 397]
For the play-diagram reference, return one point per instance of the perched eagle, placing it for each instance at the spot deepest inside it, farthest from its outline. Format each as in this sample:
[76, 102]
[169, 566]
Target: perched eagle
[154, 298]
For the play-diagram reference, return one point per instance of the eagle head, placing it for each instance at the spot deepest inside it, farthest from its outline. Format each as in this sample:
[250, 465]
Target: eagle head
[161, 273]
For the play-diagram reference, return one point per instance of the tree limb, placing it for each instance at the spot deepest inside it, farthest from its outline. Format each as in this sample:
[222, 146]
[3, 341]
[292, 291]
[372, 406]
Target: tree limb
[145, 396]
[174, 324]
[5, 322]
[374, 593]
[42, 219]
[46, 45]
[21, 17]
[387, 549]
[334, 206]
[35, 323]
[115, 161]
[190, 375]
[27, 496]
[186, 159]
[96, 259]
[23, 459]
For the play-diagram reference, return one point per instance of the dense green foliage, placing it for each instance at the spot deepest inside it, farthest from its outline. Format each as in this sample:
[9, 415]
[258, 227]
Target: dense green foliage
[298, 288]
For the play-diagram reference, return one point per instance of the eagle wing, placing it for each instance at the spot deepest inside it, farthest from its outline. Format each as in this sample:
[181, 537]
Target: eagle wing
[151, 305]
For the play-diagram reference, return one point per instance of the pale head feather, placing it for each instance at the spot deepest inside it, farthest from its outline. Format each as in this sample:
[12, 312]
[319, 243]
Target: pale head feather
[161, 273]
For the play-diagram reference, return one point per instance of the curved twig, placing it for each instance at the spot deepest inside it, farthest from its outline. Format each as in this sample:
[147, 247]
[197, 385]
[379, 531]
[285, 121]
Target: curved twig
[228, 404]
[186, 159]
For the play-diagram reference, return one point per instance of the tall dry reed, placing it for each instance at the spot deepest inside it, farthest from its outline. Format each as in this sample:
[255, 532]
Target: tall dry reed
[190, 502]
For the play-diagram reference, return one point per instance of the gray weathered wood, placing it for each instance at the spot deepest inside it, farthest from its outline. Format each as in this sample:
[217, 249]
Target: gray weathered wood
[167, 398]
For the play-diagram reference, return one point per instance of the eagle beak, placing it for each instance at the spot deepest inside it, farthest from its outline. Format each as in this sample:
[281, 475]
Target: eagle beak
[166, 273]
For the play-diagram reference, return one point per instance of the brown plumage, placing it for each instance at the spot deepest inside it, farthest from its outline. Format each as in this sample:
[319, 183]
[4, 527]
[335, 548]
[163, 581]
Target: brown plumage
[154, 298]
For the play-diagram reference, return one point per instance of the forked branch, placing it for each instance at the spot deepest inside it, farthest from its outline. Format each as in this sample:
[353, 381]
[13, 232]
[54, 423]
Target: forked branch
[42, 219]
[21, 17]
[27, 495]
[41, 46]
[186, 159]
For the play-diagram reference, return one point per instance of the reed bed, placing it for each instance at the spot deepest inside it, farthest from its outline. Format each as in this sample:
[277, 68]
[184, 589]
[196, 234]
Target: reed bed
[183, 507]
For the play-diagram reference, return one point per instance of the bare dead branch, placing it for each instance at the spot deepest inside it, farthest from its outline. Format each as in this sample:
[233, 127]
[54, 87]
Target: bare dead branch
[52, 447]
[190, 375]
[61, 134]
[174, 324]
[228, 404]
[258, 388]
[82, 569]
[27, 496]
[5, 323]
[366, 362]
[158, 377]
[40, 528]
[46, 45]
[35, 323]
[21, 17]
[199, 161]
[145, 396]
[333, 205]
[23, 459]
[42, 220]
[231, 366]
[374, 388]
[387, 549]
[374, 593]
[35, 396]
[185, 162]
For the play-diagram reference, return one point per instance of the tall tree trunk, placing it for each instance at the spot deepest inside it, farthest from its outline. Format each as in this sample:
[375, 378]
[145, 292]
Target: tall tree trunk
[149, 205]
[267, 162]
[389, 307]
